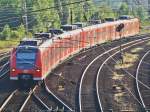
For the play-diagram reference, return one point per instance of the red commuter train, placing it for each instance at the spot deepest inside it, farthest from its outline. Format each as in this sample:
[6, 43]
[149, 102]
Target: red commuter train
[34, 59]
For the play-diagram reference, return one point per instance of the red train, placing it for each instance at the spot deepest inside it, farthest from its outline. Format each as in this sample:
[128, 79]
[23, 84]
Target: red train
[34, 59]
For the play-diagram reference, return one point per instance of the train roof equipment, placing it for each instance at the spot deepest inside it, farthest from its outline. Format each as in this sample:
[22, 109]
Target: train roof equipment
[56, 31]
[69, 27]
[93, 22]
[43, 35]
[110, 19]
[125, 17]
[38, 39]
[80, 24]
[30, 42]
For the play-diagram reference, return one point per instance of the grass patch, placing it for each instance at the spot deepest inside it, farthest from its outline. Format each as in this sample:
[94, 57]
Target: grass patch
[6, 45]
[148, 43]
[118, 97]
[117, 76]
[145, 26]
[145, 23]
[143, 31]
[128, 61]
[136, 50]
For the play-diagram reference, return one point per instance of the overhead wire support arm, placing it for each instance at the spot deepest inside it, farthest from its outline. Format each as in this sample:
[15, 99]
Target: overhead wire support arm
[25, 16]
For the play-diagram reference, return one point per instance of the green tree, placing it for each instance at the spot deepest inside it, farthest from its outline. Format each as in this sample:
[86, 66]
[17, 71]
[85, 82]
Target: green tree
[6, 32]
[44, 18]
[14, 34]
[124, 9]
[21, 31]
[63, 11]
[10, 12]
[89, 9]
[141, 13]
[106, 11]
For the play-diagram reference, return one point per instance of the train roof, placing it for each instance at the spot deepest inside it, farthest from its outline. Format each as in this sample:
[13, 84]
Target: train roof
[29, 42]
[77, 31]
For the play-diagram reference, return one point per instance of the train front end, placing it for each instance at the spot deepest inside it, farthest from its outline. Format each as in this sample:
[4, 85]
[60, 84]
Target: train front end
[25, 64]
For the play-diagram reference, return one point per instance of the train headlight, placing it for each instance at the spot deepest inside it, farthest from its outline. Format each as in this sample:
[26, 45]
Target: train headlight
[13, 70]
[38, 70]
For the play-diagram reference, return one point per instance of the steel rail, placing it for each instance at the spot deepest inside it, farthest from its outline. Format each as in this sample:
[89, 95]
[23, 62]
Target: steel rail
[2, 58]
[41, 102]
[3, 75]
[12, 95]
[2, 68]
[100, 68]
[58, 99]
[7, 63]
[4, 53]
[27, 99]
[137, 81]
[81, 81]
[7, 100]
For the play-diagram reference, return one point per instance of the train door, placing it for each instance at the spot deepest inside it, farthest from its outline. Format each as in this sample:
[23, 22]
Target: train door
[82, 38]
[103, 34]
[50, 57]
[95, 36]
[92, 37]
[87, 35]
[113, 32]
[72, 43]
[65, 48]
[53, 55]
[59, 50]
[99, 35]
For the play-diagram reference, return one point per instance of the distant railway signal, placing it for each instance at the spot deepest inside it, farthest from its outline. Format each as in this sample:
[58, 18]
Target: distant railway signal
[120, 27]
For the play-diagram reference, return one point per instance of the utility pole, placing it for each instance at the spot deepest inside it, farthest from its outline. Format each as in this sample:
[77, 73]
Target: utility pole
[71, 16]
[25, 17]
[148, 6]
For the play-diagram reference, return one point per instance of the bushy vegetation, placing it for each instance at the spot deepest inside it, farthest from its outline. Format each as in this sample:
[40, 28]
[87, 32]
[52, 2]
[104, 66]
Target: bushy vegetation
[12, 24]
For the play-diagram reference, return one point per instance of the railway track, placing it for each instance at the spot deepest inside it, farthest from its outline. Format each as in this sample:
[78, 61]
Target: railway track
[4, 58]
[142, 81]
[89, 99]
[99, 73]
[49, 101]
[72, 68]
[63, 106]
[4, 64]
[16, 101]
[2, 54]
[46, 100]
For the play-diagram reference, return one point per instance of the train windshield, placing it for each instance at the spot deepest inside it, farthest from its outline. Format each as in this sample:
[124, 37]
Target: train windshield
[25, 58]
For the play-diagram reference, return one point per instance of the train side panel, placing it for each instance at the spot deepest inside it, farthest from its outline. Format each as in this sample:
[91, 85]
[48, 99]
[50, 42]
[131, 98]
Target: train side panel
[56, 50]
[72, 42]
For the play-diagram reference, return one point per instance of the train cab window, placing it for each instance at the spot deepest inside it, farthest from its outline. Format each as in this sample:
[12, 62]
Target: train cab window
[25, 58]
